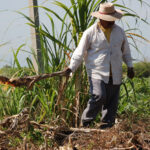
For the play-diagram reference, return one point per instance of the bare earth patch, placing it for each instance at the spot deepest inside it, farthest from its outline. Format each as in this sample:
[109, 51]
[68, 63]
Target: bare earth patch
[19, 132]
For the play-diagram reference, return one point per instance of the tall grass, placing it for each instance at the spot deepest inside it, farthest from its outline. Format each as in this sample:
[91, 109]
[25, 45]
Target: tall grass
[135, 97]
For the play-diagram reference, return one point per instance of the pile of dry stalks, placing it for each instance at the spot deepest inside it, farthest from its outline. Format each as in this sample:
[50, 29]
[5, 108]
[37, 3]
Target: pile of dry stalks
[123, 136]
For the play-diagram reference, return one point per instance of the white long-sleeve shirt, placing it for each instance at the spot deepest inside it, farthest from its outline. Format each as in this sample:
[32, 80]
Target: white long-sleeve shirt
[98, 53]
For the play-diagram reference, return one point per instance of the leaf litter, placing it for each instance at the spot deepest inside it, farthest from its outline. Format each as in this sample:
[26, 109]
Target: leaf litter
[125, 135]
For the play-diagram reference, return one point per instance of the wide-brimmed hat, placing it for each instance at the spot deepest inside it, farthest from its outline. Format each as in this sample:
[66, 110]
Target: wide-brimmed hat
[107, 12]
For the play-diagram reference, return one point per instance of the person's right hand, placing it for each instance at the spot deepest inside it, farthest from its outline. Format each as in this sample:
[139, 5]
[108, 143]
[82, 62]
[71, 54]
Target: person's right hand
[67, 71]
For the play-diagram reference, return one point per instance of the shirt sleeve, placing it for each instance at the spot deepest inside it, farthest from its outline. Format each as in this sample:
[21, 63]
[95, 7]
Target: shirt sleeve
[79, 52]
[126, 52]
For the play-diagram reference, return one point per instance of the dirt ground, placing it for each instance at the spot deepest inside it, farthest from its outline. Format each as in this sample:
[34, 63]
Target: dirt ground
[125, 135]
[18, 132]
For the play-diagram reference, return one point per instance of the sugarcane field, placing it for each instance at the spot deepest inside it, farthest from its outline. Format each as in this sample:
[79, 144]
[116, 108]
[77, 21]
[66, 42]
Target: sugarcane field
[75, 75]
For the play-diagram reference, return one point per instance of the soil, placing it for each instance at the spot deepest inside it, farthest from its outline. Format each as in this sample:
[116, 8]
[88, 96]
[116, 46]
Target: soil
[19, 132]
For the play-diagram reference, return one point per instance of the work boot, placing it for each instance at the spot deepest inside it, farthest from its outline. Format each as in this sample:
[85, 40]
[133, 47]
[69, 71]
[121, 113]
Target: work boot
[106, 126]
[86, 124]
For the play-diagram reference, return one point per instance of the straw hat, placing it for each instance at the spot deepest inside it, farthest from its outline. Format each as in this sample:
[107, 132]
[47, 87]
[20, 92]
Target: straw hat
[107, 12]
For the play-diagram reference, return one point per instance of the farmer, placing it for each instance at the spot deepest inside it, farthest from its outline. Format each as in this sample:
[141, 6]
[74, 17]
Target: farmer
[103, 46]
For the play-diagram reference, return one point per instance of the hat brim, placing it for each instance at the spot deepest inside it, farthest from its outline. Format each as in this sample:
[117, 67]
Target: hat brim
[108, 17]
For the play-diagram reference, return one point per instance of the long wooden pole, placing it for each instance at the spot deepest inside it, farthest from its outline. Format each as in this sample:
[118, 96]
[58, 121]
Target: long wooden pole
[35, 37]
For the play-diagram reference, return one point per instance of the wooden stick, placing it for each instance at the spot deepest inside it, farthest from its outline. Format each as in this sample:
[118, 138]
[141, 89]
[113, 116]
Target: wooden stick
[29, 80]
[51, 128]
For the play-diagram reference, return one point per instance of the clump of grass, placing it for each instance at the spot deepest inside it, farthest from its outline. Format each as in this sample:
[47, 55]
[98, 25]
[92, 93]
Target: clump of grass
[135, 97]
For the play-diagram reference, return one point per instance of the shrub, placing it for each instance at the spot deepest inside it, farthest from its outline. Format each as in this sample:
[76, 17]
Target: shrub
[142, 69]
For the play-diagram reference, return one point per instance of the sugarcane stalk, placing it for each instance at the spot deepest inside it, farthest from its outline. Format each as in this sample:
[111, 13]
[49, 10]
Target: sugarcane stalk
[29, 81]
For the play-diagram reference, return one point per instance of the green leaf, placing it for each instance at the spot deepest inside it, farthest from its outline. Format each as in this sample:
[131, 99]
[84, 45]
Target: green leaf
[54, 39]
[16, 61]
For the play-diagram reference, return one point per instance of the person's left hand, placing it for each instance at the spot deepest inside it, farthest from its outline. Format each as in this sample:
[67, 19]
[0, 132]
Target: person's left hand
[130, 73]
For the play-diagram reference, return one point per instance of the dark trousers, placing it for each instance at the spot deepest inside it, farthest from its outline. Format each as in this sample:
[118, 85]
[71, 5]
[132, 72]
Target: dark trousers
[104, 98]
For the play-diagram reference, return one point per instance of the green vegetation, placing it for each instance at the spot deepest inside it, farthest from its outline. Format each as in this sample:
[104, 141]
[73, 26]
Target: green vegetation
[43, 104]
[60, 102]
[141, 69]
[135, 97]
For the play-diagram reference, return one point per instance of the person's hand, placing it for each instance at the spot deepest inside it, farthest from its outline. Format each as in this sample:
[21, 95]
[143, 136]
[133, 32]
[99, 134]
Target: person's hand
[130, 73]
[67, 71]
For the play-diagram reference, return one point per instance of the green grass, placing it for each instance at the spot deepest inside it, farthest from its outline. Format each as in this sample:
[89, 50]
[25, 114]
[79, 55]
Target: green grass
[135, 97]
[42, 99]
